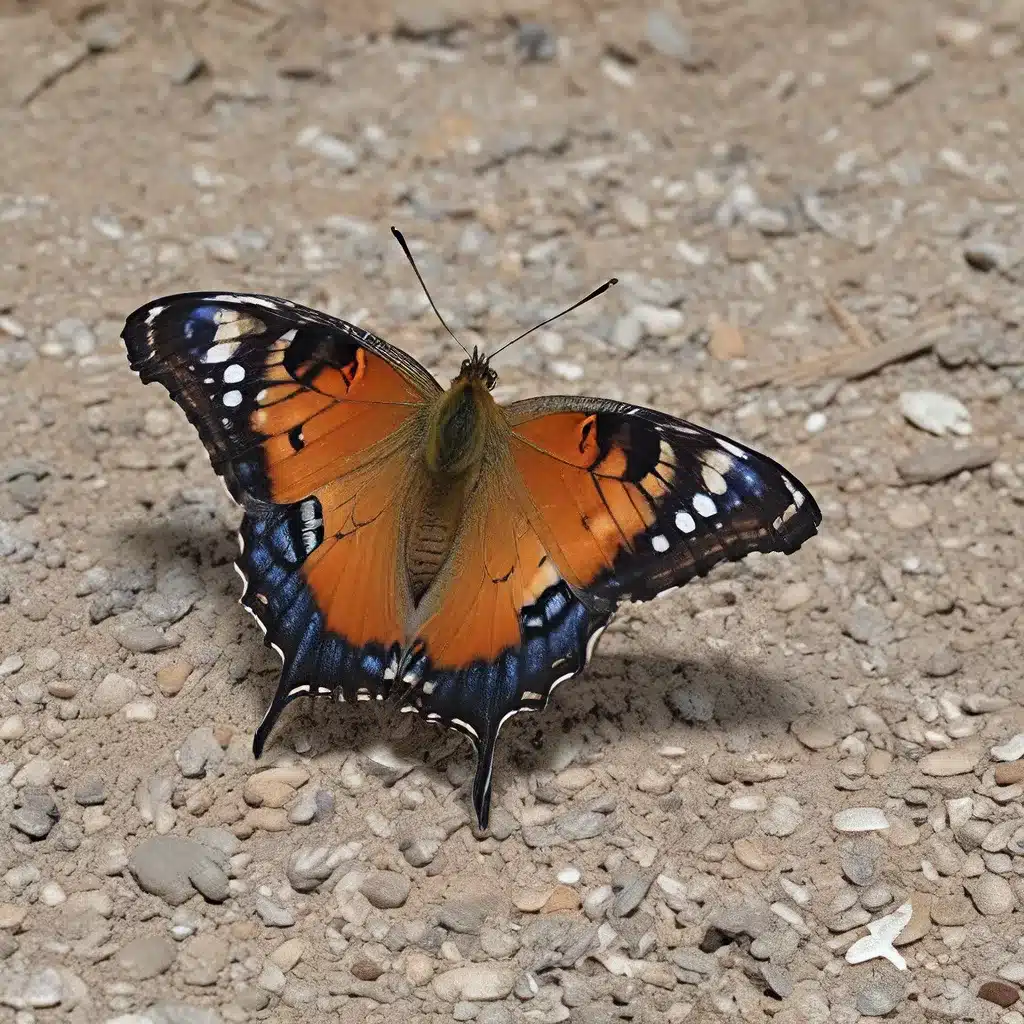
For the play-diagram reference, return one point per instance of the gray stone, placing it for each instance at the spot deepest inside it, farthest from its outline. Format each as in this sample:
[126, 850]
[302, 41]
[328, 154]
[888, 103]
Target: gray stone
[173, 1012]
[778, 980]
[876, 896]
[991, 894]
[985, 255]
[689, 958]
[272, 915]
[141, 638]
[632, 890]
[173, 868]
[420, 852]
[203, 958]
[938, 460]
[36, 812]
[536, 42]
[386, 890]
[309, 867]
[111, 695]
[91, 791]
[217, 839]
[877, 999]
[577, 825]
[38, 991]
[199, 751]
[475, 983]
[859, 861]
[668, 36]
[145, 956]
[463, 916]
[693, 703]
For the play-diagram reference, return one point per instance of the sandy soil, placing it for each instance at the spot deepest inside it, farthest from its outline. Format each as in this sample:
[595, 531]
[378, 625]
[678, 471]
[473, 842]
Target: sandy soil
[665, 840]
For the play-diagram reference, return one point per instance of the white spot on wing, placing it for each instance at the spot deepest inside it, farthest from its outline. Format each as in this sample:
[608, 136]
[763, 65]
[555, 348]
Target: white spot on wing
[685, 522]
[232, 398]
[234, 373]
[732, 449]
[704, 505]
[717, 460]
[659, 542]
[154, 313]
[713, 480]
[219, 353]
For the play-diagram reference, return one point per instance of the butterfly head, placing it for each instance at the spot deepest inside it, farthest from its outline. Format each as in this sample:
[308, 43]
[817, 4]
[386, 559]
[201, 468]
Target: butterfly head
[478, 368]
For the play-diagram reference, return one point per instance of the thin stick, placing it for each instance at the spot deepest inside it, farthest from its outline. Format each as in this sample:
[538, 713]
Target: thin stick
[848, 323]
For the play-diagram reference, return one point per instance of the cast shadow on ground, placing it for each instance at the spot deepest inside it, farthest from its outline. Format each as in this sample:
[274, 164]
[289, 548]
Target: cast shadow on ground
[631, 691]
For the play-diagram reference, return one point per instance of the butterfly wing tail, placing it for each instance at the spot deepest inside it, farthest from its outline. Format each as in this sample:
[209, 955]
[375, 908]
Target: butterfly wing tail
[482, 779]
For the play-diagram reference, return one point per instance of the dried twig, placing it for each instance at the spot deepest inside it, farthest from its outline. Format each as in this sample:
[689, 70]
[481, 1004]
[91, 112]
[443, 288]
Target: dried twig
[853, 362]
[865, 362]
[59, 63]
[847, 322]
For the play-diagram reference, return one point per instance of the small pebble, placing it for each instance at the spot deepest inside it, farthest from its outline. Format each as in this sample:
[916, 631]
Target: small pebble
[860, 819]
[935, 412]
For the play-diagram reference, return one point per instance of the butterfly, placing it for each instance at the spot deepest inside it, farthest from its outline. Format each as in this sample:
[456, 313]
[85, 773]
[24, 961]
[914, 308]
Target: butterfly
[400, 538]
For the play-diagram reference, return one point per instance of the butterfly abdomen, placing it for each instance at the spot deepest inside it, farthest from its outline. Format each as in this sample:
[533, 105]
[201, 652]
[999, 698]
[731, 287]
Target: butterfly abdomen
[432, 531]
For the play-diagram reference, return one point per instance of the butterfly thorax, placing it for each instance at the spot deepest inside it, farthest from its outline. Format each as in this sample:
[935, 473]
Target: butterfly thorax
[458, 424]
[461, 428]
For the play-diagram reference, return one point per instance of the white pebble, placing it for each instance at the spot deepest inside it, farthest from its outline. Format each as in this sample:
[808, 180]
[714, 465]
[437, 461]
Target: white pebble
[52, 895]
[569, 875]
[935, 412]
[566, 370]
[815, 423]
[1011, 750]
[860, 819]
[12, 728]
[140, 711]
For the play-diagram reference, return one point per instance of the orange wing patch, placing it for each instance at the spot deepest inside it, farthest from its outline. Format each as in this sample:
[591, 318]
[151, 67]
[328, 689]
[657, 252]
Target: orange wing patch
[305, 410]
[501, 566]
[588, 507]
[354, 571]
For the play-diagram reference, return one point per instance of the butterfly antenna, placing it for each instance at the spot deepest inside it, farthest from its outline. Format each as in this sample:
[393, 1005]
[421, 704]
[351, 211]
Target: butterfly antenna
[419, 277]
[593, 295]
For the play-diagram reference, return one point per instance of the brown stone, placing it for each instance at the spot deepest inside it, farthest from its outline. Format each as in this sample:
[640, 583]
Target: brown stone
[563, 899]
[366, 969]
[1010, 773]
[1002, 993]
[171, 678]
[726, 341]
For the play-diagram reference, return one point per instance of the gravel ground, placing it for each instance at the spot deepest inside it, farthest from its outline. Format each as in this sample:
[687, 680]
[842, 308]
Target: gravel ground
[793, 791]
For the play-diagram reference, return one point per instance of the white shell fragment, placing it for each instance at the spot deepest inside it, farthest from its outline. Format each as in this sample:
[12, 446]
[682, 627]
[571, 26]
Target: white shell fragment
[1011, 750]
[935, 412]
[860, 819]
[879, 941]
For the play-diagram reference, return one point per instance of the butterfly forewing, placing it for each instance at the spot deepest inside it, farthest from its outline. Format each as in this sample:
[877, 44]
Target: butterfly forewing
[640, 502]
[311, 422]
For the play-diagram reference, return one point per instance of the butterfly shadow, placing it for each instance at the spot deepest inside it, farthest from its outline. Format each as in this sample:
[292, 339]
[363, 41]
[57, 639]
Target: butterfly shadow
[657, 697]
[652, 699]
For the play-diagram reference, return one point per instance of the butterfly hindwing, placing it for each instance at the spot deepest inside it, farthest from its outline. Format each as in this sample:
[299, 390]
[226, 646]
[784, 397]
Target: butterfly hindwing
[634, 502]
[507, 632]
[309, 420]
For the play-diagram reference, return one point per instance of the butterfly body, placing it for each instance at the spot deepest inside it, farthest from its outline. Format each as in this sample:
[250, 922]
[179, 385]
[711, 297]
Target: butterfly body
[403, 539]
